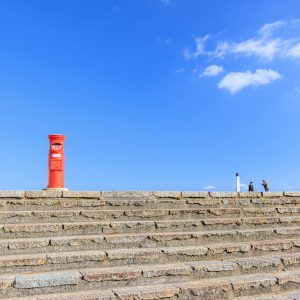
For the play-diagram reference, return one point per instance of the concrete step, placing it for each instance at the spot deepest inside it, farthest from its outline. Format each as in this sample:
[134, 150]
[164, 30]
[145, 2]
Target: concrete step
[291, 295]
[50, 261]
[229, 287]
[148, 200]
[119, 227]
[111, 277]
[142, 240]
[106, 215]
[80, 215]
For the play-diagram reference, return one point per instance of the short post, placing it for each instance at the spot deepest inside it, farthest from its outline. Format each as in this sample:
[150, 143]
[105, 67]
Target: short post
[238, 182]
[56, 162]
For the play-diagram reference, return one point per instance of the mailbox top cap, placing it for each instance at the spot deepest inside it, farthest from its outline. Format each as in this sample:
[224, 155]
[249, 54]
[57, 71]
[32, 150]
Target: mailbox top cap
[56, 136]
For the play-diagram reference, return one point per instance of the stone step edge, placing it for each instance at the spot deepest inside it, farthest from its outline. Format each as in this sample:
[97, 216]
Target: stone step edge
[207, 287]
[67, 277]
[290, 295]
[45, 242]
[204, 221]
[137, 194]
[270, 230]
[58, 258]
[217, 211]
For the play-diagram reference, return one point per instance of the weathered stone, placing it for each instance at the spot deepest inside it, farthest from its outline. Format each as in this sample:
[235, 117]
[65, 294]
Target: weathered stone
[119, 239]
[194, 194]
[224, 211]
[291, 259]
[212, 222]
[170, 236]
[290, 220]
[31, 228]
[288, 230]
[273, 245]
[289, 276]
[84, 295]
[291, 194]
[235, 201]
[262, 220]
[6, 281]
[223, 194]
[78, 256]
[147, 292]
[146, 213]
[259, 210]
[247, 282]
[126, 194]
[203, 202]
[94, 227]
[64, 203]
[56, 214]
[167, 194]
[81, 194]
[123, 226]
[257, 262]
[28, 243]
[44, 194]
[90, 203]
[174, 269]
[102, 214]
[272, 194]
[113, 274]
[12, 194]
[187, 212]
[213, 266]
[249, 194]
[255, 233]
[211, 288]
[38, 280]
[20, 215]
[185, 251]
[288, 210]
[77, 240]
[23, 260]
[229, 248]
[143, 253]
[224, 234]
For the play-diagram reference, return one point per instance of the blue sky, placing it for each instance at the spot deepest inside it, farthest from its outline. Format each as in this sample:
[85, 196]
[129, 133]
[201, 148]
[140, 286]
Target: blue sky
[151, 94]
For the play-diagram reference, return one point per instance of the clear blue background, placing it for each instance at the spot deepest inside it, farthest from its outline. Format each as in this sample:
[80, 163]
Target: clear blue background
[104, 74]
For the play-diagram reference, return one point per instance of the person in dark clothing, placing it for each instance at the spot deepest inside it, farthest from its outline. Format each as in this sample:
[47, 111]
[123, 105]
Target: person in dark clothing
[265, 185]
[251, 187]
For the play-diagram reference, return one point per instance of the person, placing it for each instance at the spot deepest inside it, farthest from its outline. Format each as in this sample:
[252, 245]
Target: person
[265, 185]
[251, 187]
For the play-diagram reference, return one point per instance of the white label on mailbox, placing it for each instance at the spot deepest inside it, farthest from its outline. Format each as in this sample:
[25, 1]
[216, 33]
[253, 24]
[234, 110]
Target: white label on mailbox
[56, 155]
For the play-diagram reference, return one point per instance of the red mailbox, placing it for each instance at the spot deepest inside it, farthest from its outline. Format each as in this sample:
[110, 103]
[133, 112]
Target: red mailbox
[56, 161]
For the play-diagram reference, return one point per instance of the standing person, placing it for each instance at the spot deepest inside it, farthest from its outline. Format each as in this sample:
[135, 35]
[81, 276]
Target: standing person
[265, 185]
[251, 187]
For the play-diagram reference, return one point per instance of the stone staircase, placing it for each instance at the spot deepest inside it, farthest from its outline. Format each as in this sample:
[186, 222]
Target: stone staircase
[149, 245]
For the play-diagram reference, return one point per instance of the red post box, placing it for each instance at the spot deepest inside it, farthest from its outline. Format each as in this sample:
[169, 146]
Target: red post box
[56, 161]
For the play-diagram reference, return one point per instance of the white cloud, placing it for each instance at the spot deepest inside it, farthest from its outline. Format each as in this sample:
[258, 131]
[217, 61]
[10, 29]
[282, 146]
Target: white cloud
[209, 187]
[268, 28]
[212, 70]
[258, 47]
[239, 80]
[200, 48]
[263, 45]
[293, 52]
